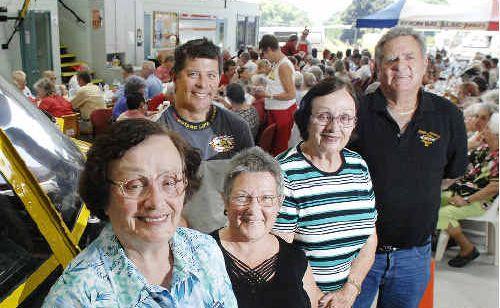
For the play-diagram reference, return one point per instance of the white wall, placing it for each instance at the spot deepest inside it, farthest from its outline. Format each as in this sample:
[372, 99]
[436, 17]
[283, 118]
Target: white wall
[10, 59]
[74, 34]
[212, 7]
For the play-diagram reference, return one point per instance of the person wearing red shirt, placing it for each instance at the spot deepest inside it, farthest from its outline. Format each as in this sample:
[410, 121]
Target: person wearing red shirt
[163, 71]
[229, 70]
[49, 101]
[290, 48]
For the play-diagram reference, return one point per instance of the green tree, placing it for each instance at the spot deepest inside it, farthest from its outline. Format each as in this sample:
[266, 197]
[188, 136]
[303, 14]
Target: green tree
[277, 13]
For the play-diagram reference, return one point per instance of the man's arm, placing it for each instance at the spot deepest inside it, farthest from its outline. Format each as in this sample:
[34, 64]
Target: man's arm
[286, 77]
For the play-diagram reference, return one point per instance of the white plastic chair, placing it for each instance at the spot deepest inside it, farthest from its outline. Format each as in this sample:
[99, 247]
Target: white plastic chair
[489, 217]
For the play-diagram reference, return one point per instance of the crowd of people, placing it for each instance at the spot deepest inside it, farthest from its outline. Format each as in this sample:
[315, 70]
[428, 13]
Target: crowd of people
[369, 156]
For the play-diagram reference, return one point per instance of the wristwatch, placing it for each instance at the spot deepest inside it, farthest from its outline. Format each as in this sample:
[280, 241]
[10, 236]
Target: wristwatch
[466, 199]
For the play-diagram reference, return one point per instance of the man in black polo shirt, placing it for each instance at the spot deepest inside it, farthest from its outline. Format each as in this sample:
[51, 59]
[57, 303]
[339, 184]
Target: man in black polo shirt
[411, 140]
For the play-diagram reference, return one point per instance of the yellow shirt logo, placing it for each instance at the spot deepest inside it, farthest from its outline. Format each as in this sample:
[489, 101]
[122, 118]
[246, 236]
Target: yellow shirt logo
[428, 138]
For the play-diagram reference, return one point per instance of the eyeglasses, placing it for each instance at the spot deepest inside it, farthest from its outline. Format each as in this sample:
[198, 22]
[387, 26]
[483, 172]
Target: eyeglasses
[263, 200]
[324, 118]
[172, 184]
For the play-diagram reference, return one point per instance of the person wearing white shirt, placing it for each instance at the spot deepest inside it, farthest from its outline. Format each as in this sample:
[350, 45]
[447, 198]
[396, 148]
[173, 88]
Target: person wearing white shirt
[19, 79]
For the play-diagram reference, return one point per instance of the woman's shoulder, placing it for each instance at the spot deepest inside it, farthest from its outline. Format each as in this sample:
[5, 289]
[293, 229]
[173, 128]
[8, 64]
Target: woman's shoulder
[83, 280]
[353, 157]
[292, 256]
[195, 239]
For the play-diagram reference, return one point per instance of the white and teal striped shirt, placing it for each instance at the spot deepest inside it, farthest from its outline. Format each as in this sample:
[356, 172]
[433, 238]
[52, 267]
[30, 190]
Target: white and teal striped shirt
[331, 214]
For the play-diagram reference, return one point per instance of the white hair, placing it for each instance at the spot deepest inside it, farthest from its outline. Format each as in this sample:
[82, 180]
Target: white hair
[490, 96]
[493, 123]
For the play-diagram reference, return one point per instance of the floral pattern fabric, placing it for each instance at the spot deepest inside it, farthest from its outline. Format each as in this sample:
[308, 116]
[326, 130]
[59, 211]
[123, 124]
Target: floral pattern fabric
[103, 276]
[482, 169]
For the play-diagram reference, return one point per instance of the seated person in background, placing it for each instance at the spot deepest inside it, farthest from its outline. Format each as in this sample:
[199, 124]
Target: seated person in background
[259, 83]
[60, 88]
[363, 73]
[480, 116]
[137, 108]
[73, 84]
[49, 100]
[265, 271]
[87, 99]
[133, 84]
[468, 93]
[19, 79]
[299, 84]
[228, 73]
[309, 82]
[153, 84]
[264, 67]
[236, 96]
[127, 71]
[244, 78]
[163, 71]
[246, 62]
[137, 178]
[471, 195]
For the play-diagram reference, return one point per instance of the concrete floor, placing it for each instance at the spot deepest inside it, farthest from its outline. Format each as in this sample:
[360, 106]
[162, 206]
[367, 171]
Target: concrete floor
[474, 286]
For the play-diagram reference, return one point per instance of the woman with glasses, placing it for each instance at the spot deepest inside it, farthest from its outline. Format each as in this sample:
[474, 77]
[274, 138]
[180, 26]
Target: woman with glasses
[329, 206]
[137, 177]
[265, 271]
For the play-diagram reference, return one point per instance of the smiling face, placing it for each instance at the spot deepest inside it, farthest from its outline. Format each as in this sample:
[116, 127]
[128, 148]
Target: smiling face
[332, 136]
[254, 220]
[402, 66]
[196, 84]
[153, 218]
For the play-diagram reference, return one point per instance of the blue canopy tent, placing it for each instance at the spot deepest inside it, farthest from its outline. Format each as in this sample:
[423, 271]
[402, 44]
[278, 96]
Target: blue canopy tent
[385, 18]
[456, 14]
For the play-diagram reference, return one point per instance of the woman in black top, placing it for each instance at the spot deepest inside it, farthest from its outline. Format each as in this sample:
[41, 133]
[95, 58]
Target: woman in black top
[265, 271]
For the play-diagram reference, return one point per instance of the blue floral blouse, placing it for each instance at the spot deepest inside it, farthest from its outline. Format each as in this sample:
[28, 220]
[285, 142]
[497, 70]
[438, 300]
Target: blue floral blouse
[103, 276]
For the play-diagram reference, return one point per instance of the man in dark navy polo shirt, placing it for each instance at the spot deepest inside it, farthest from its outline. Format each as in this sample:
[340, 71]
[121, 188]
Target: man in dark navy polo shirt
[411, 140]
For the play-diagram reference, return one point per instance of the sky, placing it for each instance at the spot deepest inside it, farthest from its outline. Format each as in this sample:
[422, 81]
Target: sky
[319, 10]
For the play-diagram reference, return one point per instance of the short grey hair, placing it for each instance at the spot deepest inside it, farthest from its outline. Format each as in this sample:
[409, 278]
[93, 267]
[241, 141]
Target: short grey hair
[149, 65]
[329, 71]
[339, 66]
[309, 79]
[19, 76]
[493, 123]
[317, 72]
[299, 80]
[46, 85]
[395, 33]
[252, 160]
[134, 84]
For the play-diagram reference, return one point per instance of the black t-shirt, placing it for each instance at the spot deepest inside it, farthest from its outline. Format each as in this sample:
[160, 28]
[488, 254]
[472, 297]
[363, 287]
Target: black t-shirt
[221, 136]
[407, 168]
[285, 289]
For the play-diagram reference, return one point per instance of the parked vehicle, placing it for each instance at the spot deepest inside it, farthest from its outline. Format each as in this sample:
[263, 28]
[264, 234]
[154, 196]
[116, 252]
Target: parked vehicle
[43, 223]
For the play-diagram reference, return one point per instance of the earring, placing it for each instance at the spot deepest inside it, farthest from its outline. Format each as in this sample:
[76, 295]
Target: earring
[225, 212]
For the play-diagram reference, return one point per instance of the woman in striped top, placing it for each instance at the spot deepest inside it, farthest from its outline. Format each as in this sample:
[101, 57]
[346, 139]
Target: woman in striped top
[329, 208]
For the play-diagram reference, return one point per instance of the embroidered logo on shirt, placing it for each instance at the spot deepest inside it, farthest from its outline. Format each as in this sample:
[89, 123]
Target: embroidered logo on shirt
[222, 144]
[428, 138]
